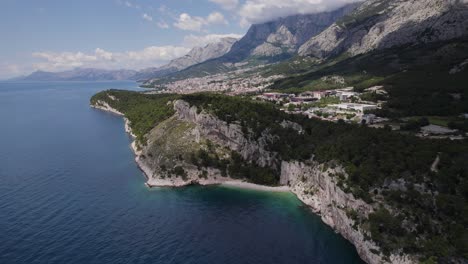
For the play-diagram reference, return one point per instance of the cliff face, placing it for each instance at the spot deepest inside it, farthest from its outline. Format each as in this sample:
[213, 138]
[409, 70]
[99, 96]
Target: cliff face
[313, 183]
[227, 135]
[380, 24]
[285, 35]
[201, 54]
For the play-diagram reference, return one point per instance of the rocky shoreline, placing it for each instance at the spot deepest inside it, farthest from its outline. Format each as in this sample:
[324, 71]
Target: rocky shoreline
[318, 190]
[154, 183]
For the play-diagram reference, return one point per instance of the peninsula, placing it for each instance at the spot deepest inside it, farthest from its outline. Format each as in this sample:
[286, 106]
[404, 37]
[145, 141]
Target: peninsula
[217, 139]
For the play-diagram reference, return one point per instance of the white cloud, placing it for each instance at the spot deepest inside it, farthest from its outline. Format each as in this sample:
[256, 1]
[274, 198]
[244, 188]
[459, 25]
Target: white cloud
[200, 41]
[162, 24]
[258, 11]
[147, 17]
[216, 18]
[128, 4]
[227, 4]
[150, 56]
[189, 23]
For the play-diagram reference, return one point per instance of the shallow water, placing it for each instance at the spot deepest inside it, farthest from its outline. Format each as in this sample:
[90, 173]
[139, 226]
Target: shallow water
[70, 192]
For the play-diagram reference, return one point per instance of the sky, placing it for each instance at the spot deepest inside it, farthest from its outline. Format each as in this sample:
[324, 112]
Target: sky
[57, 35]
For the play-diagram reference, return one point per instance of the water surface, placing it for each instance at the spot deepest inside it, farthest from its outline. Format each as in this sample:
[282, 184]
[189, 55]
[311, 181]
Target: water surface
[70, 192]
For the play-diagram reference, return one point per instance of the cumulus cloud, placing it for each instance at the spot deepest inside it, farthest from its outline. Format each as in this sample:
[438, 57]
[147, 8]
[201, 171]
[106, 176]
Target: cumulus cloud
[200, 41]
[259, 11]
[226, 4]
[195, 23]
[150, 56]
[147, 17]
[187, 22]
[215, 18]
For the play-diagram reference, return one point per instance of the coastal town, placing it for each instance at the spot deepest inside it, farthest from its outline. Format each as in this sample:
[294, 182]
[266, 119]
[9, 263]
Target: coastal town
[240, 81]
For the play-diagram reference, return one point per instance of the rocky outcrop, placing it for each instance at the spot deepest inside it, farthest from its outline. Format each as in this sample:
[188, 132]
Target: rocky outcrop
[104, 106]
[195, 56]
[315, 184]
[284, 35]
[381, 24]
[201, 54]
[227, 135]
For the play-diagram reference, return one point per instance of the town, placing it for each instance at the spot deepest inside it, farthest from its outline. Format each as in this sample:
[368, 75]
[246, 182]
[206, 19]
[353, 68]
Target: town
[236, 82]
[350, 106]
[330, 105]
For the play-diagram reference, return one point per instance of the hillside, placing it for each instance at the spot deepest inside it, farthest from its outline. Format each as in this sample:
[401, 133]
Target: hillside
[282, 36]
[390, 199]
[195, 56]
[382, 24]
[263, 44]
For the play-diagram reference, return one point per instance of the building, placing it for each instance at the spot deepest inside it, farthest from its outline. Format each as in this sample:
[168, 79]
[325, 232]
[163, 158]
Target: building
[303, 99]
[274, 97]
[368, 119]
[318, 94]
[361, 108]
[344, 96]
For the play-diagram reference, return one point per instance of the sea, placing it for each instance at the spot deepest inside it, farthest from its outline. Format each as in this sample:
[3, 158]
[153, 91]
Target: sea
[70, 192]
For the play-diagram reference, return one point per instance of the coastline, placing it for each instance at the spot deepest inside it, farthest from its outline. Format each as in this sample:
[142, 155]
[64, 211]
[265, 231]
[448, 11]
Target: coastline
[327, 201]
[178, 183]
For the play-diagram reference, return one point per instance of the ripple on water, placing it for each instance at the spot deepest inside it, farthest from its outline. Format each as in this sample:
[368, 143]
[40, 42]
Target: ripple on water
[70, 192]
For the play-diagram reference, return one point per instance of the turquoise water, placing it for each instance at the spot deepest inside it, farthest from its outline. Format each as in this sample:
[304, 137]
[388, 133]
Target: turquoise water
[70, 192]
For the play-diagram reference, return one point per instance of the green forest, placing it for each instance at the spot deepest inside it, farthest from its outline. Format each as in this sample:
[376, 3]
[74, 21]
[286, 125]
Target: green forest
[432, 203]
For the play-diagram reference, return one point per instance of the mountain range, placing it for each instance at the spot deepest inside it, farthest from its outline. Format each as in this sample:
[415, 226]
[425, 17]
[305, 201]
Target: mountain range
[351, 30]
[195, 56]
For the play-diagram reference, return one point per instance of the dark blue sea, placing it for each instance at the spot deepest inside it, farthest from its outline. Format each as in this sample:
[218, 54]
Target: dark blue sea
[70, 192]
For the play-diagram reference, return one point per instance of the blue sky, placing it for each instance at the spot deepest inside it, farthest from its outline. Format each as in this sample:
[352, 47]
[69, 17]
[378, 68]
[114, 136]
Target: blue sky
[54, 35]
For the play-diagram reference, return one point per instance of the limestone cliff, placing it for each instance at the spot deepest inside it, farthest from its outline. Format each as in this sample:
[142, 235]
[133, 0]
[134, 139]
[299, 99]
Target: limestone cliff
[380, 24]
[315, 184]
[172, 142]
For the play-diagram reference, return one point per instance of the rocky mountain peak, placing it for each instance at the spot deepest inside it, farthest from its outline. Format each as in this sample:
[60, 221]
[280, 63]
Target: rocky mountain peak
[379, 24]
[284, 35]
[201, 54]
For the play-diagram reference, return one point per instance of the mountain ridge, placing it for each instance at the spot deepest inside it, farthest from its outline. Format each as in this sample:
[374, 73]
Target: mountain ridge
[379, 24]
[195, 56]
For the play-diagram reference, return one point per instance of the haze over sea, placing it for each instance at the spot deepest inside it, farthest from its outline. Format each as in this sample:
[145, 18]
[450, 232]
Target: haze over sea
[70, 192]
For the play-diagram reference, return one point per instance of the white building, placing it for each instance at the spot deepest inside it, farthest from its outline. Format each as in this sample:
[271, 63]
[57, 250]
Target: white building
[355, 107]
